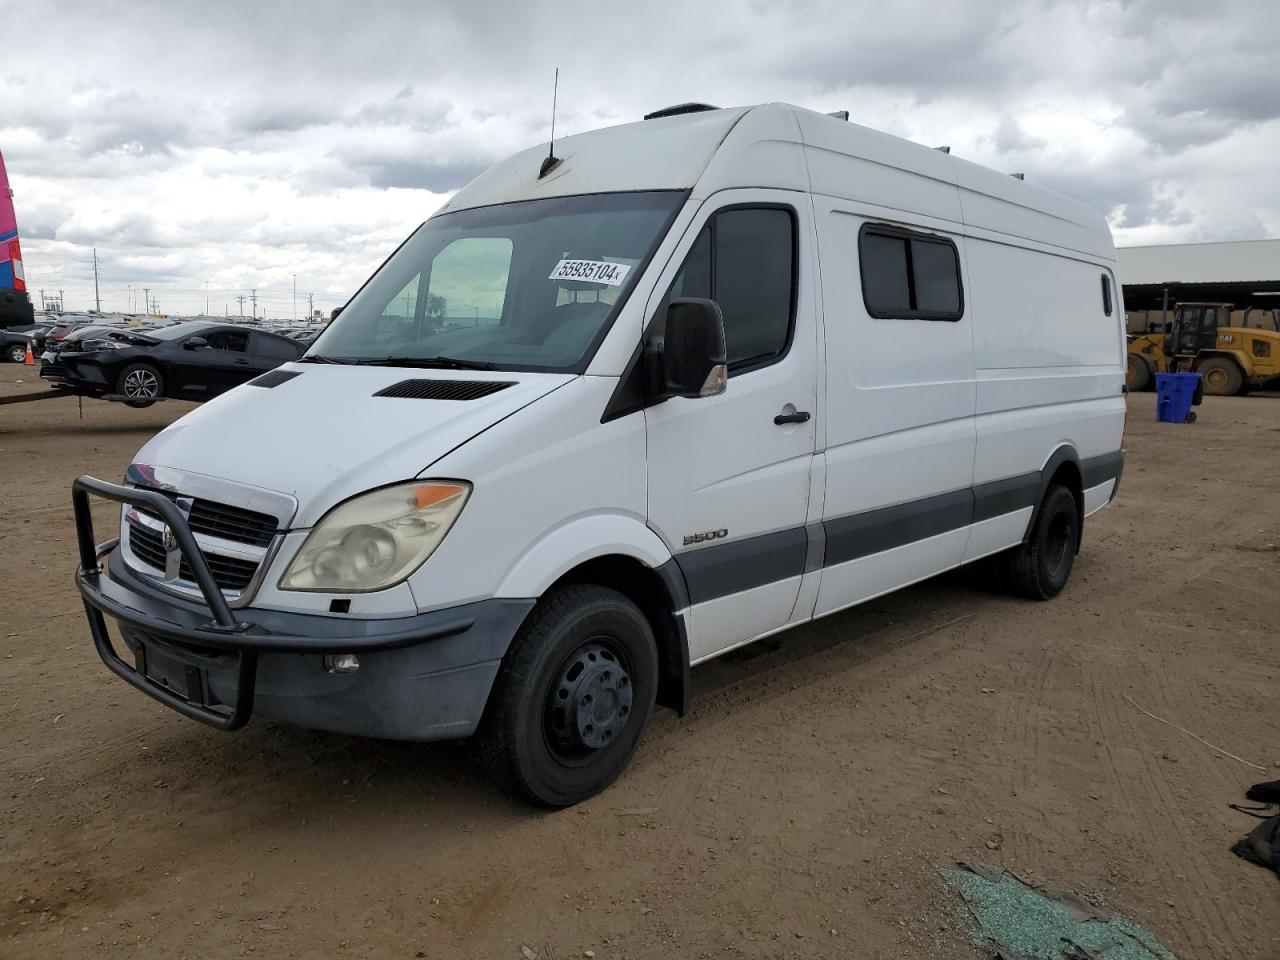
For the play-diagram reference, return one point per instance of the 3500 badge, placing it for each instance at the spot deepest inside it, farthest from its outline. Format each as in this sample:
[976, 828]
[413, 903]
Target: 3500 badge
[706, 535]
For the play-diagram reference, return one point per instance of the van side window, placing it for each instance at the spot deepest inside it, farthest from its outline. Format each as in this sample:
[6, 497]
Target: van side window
[745, 260]
[909, 276]
[1106, 294]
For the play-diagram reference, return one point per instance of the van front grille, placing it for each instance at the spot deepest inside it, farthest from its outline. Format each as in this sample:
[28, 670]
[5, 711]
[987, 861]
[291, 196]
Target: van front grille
[220, 520]
[230, 573]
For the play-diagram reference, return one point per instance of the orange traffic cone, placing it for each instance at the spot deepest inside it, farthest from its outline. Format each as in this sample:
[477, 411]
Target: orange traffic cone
[30, 361]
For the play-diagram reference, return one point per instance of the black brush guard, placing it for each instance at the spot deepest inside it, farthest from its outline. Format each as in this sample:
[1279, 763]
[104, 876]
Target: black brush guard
[176, 626]
[90, 575]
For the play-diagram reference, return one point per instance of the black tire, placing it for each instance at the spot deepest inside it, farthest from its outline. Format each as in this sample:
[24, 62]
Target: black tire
[1138, 375]
[572, 697]
[16, 353]
[1040, 568]
[140, 384]
[1221, 377]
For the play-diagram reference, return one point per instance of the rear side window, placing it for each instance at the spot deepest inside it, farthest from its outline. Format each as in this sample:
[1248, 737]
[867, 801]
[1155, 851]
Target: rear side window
[277, 348]
[1106, 294]
[745, 260]
[909, 276]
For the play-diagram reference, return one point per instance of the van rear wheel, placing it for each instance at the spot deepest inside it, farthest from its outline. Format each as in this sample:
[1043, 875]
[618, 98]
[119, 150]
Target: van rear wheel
[1039, 568]
[572, 698]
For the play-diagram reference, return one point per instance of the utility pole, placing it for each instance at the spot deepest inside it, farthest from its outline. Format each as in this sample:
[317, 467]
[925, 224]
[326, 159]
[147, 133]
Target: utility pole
[240, 301]
[253, 295]
[206, 298]
[146, 299]
[97, 300]
[60, 301]
[311, 307]
[42, 300]
[295, 298]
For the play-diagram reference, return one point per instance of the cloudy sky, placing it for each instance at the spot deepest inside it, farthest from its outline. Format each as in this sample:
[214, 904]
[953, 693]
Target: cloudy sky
[243, 143]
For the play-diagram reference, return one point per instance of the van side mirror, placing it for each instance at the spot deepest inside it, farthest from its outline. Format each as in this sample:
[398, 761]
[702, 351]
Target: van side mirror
[691, 355]
[195, 343]
[333, 314]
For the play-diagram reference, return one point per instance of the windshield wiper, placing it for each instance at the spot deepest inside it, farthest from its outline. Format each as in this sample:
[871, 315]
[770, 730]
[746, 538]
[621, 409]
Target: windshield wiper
[318, 358]
[440, 363]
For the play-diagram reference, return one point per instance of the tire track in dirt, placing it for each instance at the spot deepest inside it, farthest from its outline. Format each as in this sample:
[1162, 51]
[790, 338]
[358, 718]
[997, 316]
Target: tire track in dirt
[1198, 919]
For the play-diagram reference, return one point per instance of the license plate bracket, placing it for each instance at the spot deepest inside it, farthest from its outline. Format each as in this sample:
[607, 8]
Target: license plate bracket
[184, 679]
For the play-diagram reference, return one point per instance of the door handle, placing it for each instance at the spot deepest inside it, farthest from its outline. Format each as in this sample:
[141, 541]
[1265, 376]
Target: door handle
[242, 363]
[800, 416]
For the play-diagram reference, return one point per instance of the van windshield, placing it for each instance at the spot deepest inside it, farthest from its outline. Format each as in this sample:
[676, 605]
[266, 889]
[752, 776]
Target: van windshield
[517, 286]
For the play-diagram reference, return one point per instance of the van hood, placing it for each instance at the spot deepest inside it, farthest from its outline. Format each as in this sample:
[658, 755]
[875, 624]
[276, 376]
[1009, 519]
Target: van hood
[322, 435]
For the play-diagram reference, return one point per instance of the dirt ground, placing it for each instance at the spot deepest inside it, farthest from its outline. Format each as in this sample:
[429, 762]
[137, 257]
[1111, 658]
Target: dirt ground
[806, 807]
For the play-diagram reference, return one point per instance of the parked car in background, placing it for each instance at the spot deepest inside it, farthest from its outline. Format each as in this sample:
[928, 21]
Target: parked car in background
[63, 326]
[188, 361]
[14, 341]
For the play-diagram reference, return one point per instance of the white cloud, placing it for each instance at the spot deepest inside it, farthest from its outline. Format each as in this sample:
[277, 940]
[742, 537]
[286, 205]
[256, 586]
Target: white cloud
[265, 140]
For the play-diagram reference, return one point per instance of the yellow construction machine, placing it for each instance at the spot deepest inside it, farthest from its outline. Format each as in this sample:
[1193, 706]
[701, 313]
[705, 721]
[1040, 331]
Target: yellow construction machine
[1205, 337]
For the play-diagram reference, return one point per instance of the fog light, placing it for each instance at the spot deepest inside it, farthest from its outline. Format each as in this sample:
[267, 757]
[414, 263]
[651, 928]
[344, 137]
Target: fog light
[341, 662]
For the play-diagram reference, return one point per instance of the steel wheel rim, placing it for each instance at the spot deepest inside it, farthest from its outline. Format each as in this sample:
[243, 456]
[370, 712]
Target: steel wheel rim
[17, 354]
[141, 385]
[589, 702]
[1215, 378]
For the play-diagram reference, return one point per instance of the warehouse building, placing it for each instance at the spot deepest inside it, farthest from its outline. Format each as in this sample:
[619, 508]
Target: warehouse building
[1245, 273]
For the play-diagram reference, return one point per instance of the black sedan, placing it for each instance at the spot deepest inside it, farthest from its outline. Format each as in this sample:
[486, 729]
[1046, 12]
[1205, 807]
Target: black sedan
[187, 361]
[14, 341]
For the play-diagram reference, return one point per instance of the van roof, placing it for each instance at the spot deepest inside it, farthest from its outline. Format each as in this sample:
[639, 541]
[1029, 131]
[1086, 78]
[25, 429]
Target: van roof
[781, 146]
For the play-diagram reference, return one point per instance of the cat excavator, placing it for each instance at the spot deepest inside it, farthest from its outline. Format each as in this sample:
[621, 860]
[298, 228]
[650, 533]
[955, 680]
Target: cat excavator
[1204, 338]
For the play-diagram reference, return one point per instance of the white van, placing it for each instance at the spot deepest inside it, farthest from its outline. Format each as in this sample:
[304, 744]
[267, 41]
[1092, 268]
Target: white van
[605, 416]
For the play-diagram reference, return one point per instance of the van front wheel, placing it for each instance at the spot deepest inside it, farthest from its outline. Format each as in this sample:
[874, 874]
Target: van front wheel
[1040, 568]
[572, 697]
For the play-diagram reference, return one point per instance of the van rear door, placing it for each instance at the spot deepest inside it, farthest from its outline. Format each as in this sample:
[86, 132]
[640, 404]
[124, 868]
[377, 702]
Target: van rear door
[729, 476]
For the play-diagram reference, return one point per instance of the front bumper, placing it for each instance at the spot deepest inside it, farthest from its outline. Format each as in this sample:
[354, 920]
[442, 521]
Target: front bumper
[424, 677]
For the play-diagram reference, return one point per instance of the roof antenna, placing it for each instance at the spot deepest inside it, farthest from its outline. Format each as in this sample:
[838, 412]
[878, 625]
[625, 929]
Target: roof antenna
[552, 161]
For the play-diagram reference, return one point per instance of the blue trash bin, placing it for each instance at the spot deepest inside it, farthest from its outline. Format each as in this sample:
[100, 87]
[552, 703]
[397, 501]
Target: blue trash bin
[1175, 394]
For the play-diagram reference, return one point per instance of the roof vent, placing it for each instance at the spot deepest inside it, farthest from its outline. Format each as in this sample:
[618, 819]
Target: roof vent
[443, 389]
[273, 378]
[678, 109]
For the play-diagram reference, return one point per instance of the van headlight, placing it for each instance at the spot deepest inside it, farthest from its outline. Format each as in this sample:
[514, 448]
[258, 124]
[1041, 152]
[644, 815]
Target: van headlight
[377, 539]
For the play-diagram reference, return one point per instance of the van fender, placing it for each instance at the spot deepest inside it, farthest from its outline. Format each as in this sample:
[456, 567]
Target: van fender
[1065, 453]
[576, 541]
